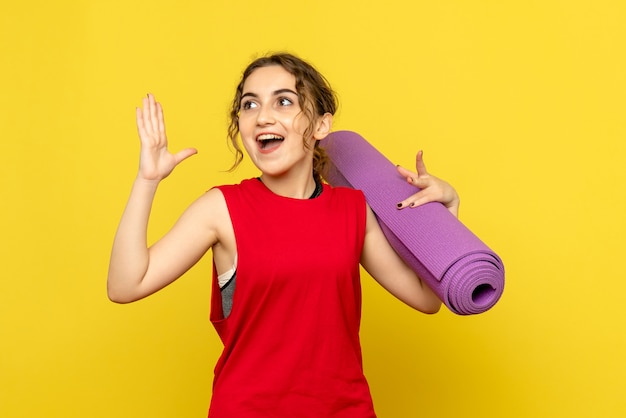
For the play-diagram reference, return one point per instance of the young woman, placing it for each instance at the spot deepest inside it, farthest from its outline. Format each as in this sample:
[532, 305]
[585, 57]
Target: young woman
[286, 250]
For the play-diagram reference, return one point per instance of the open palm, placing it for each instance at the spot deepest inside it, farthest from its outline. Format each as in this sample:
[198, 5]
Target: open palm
[156, 162]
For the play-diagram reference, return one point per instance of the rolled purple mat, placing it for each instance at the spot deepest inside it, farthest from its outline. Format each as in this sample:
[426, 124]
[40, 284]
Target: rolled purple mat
[466, 274]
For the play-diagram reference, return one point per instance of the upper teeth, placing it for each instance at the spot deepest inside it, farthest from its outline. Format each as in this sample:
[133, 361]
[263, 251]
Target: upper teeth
[265, 137]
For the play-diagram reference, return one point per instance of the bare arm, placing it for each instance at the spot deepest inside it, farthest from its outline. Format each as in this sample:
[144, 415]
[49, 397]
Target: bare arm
[135, 270]
[381, 260]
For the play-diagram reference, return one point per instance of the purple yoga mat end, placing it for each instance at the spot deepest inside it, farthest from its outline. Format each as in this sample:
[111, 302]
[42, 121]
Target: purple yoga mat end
[466, 274]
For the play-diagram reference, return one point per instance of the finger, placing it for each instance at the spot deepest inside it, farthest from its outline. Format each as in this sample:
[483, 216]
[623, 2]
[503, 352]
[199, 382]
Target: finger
[145, 114]
[407, 174]
[416, 180]
[161, 120]
[420, 198]
[140, 125]
[153, 114]
[419, 164]
[422, 182]
[184, 154]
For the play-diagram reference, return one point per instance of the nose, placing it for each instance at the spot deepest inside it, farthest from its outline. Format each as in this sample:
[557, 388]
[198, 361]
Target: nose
[265, 116]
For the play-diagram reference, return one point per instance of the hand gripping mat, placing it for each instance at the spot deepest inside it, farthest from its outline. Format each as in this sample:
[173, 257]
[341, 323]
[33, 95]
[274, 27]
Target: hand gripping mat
[466, 275]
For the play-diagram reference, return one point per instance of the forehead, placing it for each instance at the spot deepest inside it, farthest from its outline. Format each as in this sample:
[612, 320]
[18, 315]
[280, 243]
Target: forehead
[269, 79]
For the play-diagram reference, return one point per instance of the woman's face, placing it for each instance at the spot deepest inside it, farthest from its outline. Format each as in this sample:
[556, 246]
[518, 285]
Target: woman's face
[271, 122]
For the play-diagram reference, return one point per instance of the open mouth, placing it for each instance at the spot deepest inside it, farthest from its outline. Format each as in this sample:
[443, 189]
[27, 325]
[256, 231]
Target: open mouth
[269, 141]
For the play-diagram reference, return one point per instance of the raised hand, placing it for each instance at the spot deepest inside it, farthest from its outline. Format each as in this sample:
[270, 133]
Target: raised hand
[433, 189]
[155, 161]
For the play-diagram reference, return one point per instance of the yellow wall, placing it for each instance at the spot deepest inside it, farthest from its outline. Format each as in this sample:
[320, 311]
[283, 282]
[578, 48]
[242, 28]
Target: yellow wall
[519, 104]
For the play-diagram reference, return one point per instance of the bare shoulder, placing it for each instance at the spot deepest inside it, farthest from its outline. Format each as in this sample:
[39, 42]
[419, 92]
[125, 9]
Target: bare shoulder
[212, 199]
[209, 210]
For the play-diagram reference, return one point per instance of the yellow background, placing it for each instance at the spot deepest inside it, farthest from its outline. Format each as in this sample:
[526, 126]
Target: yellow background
[519, 104]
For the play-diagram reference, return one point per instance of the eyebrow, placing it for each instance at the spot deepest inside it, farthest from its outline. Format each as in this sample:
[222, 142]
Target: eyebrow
[275, 93]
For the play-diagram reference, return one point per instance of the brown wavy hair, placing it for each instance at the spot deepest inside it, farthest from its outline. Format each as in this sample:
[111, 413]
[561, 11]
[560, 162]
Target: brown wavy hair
[314, 94]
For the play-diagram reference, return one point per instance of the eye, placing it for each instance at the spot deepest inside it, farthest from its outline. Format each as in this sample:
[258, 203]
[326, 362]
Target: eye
[283, 101]
[248, 104]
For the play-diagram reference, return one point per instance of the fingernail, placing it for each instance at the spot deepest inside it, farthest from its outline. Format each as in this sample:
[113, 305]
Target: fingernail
[399, 205]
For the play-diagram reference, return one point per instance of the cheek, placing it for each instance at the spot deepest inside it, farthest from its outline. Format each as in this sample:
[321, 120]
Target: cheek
[300, 124]
[246, 137]
[249, 146]
[245, 126]
[241, 124]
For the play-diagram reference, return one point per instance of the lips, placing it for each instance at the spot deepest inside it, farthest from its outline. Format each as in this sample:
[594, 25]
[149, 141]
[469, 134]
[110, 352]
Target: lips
[267, 142]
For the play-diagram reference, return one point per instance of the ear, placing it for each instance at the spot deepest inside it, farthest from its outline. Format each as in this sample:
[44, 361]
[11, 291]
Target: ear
[323, 126]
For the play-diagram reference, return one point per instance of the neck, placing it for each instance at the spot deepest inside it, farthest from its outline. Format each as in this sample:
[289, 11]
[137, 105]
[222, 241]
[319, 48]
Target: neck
[296, 187]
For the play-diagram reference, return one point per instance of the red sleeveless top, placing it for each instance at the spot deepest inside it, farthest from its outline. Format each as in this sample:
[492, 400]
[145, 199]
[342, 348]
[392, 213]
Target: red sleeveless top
[291, 341]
